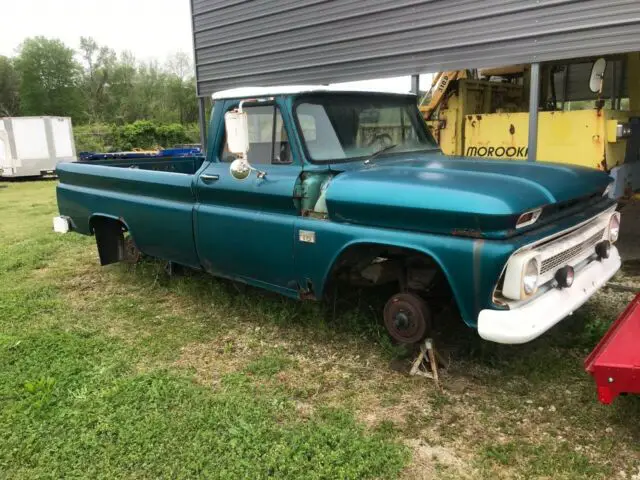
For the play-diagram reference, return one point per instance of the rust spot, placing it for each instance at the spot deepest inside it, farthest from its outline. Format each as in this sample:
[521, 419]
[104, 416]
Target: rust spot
[478, 117]
[466, 232]
[477, 270]
[512, 129]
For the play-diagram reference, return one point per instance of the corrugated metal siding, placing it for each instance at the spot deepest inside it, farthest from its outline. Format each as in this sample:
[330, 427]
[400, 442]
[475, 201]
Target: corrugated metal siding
[267, 42]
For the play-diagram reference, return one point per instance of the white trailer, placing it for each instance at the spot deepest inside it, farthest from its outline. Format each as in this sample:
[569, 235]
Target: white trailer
[33, 146]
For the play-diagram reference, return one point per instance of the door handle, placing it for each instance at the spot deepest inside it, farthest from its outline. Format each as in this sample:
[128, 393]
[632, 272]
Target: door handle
[206, 178]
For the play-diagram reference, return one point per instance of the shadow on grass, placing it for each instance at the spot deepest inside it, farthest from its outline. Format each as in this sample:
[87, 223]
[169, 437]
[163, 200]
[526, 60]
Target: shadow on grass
[356, 314]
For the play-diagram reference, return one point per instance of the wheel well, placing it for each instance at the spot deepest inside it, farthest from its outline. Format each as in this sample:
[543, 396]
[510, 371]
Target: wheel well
[372, 264]
[109, 234]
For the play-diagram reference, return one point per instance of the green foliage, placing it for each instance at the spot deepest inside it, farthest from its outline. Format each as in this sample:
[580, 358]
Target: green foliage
[105, 88]
[94, 137]
[50, 79]
[146, 134]
[9, 88]
[141, 134]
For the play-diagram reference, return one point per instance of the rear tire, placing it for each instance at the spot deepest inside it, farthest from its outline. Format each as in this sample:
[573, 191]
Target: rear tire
[407, 318]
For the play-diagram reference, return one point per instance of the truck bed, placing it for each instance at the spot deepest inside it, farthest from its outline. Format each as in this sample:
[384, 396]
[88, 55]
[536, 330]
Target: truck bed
[186, 161]
[152, 194]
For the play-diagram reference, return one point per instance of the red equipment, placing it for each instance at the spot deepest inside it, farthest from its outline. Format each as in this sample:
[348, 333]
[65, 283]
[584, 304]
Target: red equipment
[615, 362]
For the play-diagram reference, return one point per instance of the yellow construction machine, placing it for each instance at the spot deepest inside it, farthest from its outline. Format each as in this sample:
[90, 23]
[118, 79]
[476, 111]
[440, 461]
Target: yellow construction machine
[589, 114]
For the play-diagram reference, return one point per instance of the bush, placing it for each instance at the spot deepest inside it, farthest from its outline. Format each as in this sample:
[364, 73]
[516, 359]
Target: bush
[92, 138]
[142, 134]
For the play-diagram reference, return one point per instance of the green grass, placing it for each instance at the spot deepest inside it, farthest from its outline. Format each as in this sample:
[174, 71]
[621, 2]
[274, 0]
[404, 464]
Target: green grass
[75, 403]
[72, 406]
[123, 372]
[545, 460]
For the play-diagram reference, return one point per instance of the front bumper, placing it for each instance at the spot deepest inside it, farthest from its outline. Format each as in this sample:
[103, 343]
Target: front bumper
[524, 323]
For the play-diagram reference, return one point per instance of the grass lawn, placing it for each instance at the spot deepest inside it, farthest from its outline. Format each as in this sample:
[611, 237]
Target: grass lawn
[123, 372]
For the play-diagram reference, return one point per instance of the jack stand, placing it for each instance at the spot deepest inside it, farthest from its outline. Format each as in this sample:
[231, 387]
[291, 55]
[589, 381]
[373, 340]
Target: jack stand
[428, 355]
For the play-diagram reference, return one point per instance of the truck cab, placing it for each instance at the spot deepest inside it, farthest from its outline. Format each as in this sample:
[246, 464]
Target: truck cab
[305, 187]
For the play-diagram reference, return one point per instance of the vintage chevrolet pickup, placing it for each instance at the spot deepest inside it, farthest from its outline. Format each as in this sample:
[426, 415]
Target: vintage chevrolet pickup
[304, 187]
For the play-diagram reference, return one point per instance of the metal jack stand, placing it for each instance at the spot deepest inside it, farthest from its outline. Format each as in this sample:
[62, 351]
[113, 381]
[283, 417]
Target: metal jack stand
[426, 364]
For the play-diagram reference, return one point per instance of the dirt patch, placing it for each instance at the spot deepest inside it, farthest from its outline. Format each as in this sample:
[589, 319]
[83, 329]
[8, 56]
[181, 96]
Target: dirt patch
[436, 461]
[212, 360]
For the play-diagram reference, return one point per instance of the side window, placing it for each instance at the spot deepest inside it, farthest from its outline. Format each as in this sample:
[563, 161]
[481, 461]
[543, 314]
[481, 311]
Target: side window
[268, 141]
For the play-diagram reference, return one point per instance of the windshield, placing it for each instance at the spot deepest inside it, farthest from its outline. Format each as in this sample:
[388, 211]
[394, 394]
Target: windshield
[350, 127]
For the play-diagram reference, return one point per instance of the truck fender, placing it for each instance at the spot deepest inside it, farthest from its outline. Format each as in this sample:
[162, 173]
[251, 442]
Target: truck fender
[419, 249]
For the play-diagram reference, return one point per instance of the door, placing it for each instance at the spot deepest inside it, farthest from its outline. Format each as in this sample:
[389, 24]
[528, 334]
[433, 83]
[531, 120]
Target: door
[244, 228]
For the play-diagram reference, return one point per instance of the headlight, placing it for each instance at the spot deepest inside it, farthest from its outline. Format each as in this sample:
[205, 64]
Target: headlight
[614, 227]
[521, 276]
[530, 277]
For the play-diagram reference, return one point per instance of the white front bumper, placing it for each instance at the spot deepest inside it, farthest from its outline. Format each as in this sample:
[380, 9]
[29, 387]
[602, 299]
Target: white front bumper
[523, 324]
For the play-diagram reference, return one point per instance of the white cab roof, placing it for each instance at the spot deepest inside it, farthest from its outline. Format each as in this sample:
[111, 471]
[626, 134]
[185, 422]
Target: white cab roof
[258, 92]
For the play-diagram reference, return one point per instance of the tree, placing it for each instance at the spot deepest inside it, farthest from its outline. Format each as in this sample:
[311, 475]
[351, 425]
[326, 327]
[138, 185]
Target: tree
[100, 63]
[9, 88]
[50, 79]
[180, 65]
[101, 88]
[181, 87]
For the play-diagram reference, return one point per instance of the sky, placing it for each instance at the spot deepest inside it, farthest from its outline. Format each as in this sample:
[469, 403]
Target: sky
[150, 29]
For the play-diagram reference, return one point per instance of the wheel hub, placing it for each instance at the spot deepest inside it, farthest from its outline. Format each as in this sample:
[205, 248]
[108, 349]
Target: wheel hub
[402, 320]
[407, 317]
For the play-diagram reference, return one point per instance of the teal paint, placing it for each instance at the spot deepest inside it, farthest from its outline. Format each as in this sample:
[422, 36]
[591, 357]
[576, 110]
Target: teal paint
[249, 230]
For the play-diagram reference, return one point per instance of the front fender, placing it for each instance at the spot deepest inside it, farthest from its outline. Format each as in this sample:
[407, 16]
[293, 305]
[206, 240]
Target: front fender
[472, 266]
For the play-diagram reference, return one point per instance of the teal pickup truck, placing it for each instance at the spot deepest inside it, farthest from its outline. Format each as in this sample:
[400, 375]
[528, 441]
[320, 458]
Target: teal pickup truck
[306, 187]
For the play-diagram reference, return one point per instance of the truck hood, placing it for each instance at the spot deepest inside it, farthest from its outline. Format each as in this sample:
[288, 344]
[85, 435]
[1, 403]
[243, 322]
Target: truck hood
[439, 194]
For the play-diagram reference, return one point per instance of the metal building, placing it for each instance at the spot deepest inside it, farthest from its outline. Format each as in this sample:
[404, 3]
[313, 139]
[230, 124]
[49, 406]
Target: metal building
[267, 42]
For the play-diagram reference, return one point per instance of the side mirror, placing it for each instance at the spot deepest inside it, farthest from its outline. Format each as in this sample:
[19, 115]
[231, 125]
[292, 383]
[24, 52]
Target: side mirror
[237, 127]
[597, 75]
[240, 169]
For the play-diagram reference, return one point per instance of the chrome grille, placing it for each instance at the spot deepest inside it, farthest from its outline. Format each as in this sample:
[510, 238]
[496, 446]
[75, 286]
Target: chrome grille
[569, 254]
